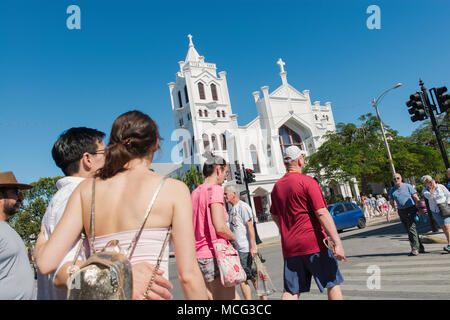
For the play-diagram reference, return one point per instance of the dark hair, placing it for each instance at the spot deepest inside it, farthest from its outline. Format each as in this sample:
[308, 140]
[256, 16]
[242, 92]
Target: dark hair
[133, 134]
[211, 163]
[72, 144]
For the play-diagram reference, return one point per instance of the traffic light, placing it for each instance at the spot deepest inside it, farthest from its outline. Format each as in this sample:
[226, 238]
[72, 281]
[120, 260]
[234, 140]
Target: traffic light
[249, 176]
[237, 176]
[417, 107]
[443, 100]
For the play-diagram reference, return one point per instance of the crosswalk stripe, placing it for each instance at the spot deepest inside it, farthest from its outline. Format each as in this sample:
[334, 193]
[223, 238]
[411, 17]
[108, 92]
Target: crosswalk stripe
[424, 270]
[403, 263]
[404, 288]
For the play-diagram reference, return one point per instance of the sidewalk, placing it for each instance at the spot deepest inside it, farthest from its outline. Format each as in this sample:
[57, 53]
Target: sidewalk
[429, 237]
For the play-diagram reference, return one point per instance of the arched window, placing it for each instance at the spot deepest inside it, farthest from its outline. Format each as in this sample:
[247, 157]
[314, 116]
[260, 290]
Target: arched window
[214, 92]
[200, 113]
[179, 100]
[327, 118]
[215, 143]
[206, 113]
[224, 141]
[223, 114]
[289, 138]
[317, 118]
[201, 90]
[205, 139]
[186, 94]
[255, 160]
[218, 113]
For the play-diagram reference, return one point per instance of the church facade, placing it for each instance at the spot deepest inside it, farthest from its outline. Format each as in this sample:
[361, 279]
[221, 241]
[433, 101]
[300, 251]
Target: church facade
[204, 121]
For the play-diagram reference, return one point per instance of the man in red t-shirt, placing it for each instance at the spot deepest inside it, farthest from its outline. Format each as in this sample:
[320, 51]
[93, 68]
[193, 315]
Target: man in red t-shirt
[300, 211]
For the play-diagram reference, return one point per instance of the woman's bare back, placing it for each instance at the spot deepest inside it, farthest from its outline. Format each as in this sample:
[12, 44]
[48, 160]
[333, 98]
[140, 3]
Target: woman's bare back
[121, 202]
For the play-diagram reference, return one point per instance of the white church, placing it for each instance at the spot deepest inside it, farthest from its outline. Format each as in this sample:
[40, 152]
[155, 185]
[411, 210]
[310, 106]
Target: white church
[204, 121]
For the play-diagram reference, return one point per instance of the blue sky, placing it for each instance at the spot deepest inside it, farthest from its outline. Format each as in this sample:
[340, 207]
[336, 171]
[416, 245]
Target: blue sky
[53, 78]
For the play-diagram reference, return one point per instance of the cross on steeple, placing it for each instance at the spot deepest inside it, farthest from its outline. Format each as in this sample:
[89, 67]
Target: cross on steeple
[281, 63]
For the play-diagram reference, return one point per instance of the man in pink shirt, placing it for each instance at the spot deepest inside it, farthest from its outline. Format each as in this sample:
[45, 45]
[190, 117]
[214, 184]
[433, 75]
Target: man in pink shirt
[300, 211]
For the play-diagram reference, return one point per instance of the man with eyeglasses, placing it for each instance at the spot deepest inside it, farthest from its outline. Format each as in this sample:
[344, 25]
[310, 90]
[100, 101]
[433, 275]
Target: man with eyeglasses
[16, 275]
[80, 152]
[406, 198]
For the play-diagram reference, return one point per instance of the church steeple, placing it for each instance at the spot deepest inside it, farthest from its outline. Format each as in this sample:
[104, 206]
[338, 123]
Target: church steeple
[192, 54]
[283, 73]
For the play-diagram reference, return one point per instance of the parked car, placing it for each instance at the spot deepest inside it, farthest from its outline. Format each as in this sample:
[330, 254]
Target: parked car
[347, 215]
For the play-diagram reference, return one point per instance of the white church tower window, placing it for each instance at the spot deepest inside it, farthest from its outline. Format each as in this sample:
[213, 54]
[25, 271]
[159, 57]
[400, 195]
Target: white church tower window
[255, 160]
[224, 141]
[205, 139]
[214, 92]
[215, 143]
[180, 101]
[201, 91]
[186, 94]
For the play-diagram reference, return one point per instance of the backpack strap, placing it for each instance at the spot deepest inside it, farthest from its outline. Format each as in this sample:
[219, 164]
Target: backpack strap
[149, 208]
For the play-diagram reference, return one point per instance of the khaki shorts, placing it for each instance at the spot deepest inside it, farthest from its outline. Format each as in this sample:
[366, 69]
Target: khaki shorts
[209, 268]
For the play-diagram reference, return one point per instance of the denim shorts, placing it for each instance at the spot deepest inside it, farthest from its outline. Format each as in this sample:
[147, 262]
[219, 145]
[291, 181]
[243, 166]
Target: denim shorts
[248, 265]
[299, 270]
[209, 268]
[439, 219]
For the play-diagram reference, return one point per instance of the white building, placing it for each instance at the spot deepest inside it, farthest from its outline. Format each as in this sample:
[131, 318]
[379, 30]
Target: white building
[205, 121]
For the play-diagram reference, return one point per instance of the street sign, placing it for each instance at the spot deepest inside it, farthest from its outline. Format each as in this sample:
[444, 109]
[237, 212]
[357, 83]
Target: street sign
[244, 192]
[443, 128]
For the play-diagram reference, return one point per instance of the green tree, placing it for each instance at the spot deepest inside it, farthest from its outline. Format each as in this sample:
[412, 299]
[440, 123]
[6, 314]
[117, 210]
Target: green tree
[191, 178]
[27, 222]
[359, 151]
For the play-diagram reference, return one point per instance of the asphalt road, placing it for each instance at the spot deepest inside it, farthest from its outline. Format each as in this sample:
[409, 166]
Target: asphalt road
[378, 267]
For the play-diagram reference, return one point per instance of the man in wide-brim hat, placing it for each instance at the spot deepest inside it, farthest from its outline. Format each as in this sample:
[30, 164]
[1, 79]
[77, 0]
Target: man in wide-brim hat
[16, 275]
[10, 195]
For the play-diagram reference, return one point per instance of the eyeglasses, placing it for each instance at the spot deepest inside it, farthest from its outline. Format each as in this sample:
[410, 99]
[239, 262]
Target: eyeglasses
[101, 151]
[15, 191]
[397, 178]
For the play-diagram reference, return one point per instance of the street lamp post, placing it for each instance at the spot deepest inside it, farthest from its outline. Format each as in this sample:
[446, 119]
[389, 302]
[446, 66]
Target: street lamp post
[375, 104]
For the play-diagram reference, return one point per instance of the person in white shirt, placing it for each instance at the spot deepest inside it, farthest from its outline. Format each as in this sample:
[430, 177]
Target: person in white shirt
[241, 224]
[438, 194]
[79, 152]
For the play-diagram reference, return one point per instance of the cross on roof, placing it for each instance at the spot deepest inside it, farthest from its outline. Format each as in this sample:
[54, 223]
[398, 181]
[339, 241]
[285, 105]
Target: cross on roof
[281, 63]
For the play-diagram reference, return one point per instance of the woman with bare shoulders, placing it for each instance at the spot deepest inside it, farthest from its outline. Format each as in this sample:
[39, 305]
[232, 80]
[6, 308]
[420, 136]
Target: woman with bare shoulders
[123, 190]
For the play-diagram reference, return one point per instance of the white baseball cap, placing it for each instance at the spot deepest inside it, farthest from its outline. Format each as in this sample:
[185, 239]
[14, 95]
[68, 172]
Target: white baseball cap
[293, 153]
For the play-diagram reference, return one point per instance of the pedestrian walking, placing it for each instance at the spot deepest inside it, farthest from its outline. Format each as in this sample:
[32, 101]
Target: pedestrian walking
[405, 197]
[209, 213]
[381, 204]
[438, 195]
[16, 275]
[79, 153]
[125, 191]
[373, 205]
[300, 211]
[240, 218]
[366, 207]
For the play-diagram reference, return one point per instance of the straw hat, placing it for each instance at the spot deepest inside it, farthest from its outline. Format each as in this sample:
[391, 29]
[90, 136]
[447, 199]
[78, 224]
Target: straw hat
[7, 179]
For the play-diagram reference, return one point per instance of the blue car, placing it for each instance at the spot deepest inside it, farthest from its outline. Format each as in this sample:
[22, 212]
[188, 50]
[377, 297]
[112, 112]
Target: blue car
[347, 215]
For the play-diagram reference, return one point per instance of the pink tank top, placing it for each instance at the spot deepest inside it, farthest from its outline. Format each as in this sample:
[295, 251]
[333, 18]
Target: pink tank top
[147, 249]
